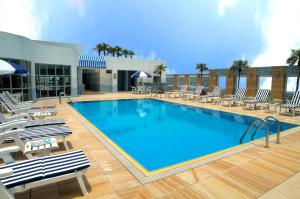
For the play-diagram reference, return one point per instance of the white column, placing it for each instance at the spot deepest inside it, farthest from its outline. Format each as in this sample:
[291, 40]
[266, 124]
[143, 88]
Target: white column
[114, 80]
[32, 81]
[74, 88]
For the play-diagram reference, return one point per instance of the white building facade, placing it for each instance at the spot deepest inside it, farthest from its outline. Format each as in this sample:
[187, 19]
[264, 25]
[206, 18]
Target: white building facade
[56, 67]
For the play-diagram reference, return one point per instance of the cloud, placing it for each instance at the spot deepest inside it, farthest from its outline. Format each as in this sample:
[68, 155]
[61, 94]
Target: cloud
[280, 31]
[78, 4]
[21, 17]
[223, 5]
[151, 56]
[171, 71]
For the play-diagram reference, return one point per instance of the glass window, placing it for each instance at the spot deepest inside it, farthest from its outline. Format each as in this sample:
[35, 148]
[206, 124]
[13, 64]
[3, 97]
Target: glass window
[243, 82]
[265, 83]
[222, 82]
[16, 81]
[193, 81]
[59, 70]
[6, 81]
[51, 70]
[67, 70]
[291, 84]
[170, 80]
[37, 69]
[180, 80]
[43, 70]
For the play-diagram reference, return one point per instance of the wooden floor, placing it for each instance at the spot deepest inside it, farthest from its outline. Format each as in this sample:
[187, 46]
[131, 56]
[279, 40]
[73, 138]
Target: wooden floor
[248, 174]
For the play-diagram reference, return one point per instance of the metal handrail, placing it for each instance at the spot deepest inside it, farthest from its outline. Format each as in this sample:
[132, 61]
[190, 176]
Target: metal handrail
[278, 127]
[63, 94]
[252, 125]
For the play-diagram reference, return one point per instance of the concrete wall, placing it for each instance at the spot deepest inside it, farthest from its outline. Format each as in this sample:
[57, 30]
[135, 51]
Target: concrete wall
[19, 47]
[128, 64]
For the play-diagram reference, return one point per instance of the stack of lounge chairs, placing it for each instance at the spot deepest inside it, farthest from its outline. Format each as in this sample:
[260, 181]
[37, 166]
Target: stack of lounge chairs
[193, 95]
[177, 93]
[216, 93]
[34, 172]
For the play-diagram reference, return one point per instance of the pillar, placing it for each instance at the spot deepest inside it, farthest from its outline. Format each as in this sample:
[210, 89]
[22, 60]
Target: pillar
[278, 82]
[251, 82]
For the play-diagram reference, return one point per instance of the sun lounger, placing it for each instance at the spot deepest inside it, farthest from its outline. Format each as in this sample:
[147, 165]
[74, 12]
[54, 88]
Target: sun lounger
[28, 174]
[12, 109]
[217, 92]
[192, 95]
[262, 96]
[293, 105]
[24, 104]
[177, 93]
[238, 97]
[13, 132]
[32, 123]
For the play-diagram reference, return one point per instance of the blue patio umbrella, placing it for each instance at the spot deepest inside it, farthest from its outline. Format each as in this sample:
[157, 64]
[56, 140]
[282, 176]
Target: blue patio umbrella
[8, 67]
[139, 74]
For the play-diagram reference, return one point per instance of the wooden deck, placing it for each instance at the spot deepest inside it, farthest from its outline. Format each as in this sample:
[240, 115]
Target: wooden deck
[248, 174]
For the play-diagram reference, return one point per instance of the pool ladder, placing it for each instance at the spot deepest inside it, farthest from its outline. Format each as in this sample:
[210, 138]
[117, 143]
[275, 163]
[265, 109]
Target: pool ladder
[264, 122]
[63, 94]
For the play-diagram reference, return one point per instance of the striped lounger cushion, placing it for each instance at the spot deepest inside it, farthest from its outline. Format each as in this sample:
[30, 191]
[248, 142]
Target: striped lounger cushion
[44, 168]
[261, 96]
[29, 134]
[290, 106]
[37, 123]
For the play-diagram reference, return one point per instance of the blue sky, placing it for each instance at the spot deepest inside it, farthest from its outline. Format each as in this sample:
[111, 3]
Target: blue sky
[182, 33]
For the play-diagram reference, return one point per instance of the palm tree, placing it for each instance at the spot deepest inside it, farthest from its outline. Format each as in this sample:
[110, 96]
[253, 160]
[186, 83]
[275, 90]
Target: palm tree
[118, 51]
[111, 50]
[159, 69]
[125, 52]
[101, 47]
[239, 66]
[202, 68]
[295, 57]
[131, 53]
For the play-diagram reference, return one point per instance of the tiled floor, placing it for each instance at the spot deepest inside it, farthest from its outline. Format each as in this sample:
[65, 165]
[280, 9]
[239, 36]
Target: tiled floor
[248, 174]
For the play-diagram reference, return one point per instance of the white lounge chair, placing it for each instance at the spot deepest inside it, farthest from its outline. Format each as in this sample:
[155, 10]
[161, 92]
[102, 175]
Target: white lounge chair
[192, 95]
[177, 93]
[32, 123]
[29, 174]
[12, 109]
[293, 105]
[238, 97]
[23, 104]
[262, 96]
[217, 92]
[14, 132]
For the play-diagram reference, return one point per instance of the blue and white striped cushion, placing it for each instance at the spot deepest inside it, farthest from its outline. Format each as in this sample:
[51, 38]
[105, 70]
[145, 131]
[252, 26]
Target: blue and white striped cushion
[35, 133]
[2, 118]
[66, 163]
[38, 123]
[296, 98]
[290, 106]
[44, 168]
[262, 96]
[23, 172]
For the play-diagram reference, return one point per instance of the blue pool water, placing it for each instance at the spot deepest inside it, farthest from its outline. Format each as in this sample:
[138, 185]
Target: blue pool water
[158, 134]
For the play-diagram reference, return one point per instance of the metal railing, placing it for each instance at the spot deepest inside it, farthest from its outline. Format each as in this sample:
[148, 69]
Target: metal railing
[63, 94]
[264, 122]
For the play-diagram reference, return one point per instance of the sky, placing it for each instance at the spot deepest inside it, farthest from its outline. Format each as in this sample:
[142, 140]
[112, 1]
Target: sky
[182, 33]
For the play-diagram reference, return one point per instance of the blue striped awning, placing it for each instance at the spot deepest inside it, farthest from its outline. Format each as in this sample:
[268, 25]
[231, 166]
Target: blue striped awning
[90, 61]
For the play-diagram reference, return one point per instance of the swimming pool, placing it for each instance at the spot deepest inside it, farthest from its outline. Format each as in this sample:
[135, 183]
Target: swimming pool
[158, 134]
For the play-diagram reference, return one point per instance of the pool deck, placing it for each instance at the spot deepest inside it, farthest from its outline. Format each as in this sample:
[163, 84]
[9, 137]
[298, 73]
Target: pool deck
[249, 174]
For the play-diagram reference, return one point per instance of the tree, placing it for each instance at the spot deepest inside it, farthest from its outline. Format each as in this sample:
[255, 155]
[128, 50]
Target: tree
[101, 47]
[131, 53]
[125, 52]
[159, 69]
[295, 57]
[202, 68]
[237, 67]
[118, 51]
[112, 51]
